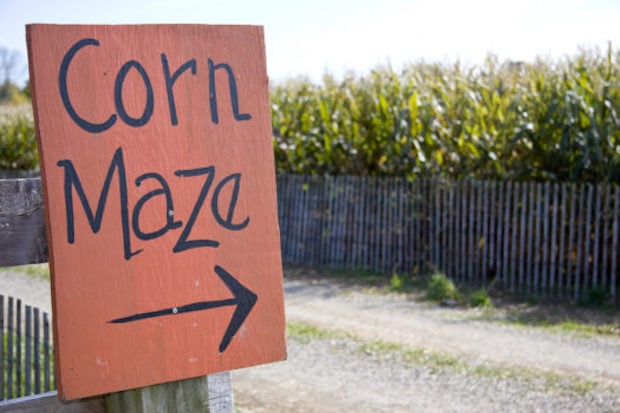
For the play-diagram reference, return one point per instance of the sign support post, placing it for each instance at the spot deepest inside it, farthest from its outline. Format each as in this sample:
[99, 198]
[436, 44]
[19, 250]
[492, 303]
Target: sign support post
[211, 394]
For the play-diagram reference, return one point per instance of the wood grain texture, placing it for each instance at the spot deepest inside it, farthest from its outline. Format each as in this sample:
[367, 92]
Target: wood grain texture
[22, 223]
[202, 394]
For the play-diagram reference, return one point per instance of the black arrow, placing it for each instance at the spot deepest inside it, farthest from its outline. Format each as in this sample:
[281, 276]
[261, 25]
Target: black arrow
[243, 298]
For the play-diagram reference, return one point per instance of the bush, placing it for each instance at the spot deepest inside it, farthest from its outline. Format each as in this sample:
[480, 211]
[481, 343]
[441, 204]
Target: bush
[480, 298]
[441, 288]
[18, 143]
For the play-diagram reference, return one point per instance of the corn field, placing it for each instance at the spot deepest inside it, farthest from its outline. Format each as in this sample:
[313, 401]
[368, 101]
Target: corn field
[542, 121]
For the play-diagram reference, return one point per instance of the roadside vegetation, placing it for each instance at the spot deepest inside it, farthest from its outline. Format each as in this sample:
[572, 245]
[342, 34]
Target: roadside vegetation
[543, 120]
[482, 303]
[438, 362]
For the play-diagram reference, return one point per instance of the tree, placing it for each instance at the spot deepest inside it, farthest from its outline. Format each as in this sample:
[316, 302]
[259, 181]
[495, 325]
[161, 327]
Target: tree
[10, 72]
[9, 64]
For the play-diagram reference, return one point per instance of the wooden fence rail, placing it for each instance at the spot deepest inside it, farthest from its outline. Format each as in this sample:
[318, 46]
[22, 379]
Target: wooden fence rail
[25, 350]
[558, 240]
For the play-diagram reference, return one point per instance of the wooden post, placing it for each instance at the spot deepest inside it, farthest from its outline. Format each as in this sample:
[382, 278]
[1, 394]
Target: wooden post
[202, 394]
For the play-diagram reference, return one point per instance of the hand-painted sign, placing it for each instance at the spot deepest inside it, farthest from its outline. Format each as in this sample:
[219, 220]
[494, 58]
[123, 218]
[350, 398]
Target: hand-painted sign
[158, 170]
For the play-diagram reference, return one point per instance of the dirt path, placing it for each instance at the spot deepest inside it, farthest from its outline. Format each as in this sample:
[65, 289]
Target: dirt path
[395, 319]
[498, 367]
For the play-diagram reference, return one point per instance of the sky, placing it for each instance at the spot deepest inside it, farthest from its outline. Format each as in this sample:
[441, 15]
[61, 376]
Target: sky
[311, 38]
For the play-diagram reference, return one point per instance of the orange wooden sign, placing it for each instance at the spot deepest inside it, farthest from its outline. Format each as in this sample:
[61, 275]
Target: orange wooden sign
[158, 171]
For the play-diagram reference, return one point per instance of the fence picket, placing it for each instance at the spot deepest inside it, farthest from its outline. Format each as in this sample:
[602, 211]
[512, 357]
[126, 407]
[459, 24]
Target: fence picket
[479, 232]
[553, 247]
[561, 262]
[403, 224]
[37, 352]
[385, 226]
[503, 206]
[587, 239]
[614, 247]
[537, 239]
[9, 349]
[458, 232]
[28, 355]
[2, 371]
[605, 216]
[47, 383]
[417, 222]
[452, 228]
[361, 223]
[366, 237]
[484, 244]
[531, 253]
[544, 273]
[573, 267]
[443, 228]
[492, 208]
[378, 228]
[18, 348]
[580, 243]
[598, 215]
[471, 229]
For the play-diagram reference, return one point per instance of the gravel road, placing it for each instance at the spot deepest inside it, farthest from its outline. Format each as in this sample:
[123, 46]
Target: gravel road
[360, 357]
[499, 367]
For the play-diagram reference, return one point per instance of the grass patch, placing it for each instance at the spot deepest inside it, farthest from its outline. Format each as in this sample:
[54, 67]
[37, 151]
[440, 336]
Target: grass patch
[305, 333]
[370, 281]
[35, 270]
[497, 306]
[405, 283]
[586, 330]
[443, 363]
[441, 288]
[480, 298]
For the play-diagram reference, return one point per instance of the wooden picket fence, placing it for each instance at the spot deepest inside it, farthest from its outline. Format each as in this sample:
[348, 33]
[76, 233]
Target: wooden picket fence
[25, 350]
[547, 239]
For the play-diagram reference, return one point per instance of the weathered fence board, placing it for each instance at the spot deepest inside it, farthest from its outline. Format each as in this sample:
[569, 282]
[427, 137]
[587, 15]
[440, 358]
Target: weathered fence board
[22, 225]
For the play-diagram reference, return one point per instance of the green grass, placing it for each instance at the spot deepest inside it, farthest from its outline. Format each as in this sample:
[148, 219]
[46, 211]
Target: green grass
[568, 326]
[35, 270]
[441, 288]
[305, 333]
[405, 283]
[480, 298]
